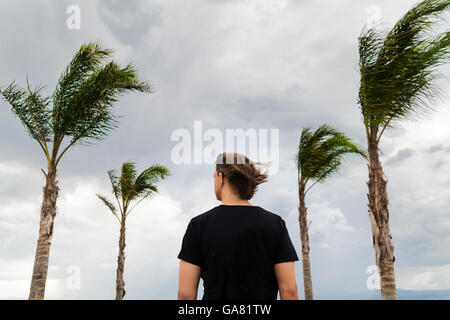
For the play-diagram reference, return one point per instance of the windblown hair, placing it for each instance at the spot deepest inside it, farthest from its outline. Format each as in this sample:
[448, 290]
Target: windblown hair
[241, 172]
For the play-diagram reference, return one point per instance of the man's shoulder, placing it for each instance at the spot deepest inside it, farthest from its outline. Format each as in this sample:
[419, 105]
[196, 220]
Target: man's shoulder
[265, 214]
[271, 216]
[205, 215]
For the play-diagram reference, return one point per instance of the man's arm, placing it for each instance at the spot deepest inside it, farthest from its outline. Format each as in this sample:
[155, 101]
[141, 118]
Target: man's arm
[285, 274]
[188, 281]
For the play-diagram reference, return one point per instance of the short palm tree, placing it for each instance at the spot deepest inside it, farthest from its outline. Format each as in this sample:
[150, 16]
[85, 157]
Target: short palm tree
[130, 189]
[398, 72]
[78, 112]
[319, 156]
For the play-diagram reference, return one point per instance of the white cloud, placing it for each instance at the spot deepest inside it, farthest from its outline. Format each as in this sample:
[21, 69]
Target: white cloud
[424, 277]
[15, 277]
[418, 192]
[328, 226]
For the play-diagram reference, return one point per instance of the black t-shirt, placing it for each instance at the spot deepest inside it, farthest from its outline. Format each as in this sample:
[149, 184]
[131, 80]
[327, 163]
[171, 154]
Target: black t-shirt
[237, 248]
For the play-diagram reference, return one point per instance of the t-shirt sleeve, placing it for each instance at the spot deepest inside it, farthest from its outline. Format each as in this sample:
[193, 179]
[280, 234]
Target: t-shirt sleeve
[190, 248]
[285, 251]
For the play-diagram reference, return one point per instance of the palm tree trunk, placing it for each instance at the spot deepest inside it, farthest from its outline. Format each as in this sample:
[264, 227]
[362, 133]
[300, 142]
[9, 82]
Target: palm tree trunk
[304, 237]
[120, 284]
[379, 219]
[48, 213]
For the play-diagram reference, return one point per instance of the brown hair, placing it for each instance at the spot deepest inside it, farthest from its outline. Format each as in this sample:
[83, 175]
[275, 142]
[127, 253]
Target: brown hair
[241, 173]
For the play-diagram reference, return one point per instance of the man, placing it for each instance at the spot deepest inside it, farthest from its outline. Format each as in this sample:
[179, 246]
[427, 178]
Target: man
[240, 251]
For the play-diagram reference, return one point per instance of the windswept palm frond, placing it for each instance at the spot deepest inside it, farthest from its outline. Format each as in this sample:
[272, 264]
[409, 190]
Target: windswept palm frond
[115, 183]
[109, 204]
[87, 60]
[127, 180]
[320, 153]
[88, 114]
[398, 68]
[32, 110]
[81, 107]
[146, 182]
[130, 186]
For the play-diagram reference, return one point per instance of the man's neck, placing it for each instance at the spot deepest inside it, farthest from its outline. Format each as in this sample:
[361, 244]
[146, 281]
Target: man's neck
[231, 198]
[235, 202]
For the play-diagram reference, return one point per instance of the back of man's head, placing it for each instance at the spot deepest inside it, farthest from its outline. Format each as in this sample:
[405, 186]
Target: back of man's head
[241, 173]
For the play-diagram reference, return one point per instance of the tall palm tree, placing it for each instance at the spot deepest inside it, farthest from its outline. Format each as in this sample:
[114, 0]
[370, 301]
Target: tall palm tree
[398, 72]
[319, 156]
[127, 189]
[78, 112]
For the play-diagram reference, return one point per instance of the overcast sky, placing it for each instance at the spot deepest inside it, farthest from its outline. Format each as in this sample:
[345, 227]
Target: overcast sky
[275, 64]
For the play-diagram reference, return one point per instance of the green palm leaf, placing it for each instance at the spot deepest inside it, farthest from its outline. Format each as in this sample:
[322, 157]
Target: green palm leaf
[130, 187]
[109, 204]
[398, 68]
[146, 182]
[81, 107]
[32, 110]
[127, 180]
[320, 153]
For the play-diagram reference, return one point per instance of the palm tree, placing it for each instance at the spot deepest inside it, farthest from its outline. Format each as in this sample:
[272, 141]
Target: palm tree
[128, 188]
[78, 112]
[398, 71]
[320, 154]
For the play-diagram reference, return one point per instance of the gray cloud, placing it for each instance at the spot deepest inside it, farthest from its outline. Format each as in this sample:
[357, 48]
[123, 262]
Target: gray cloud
[130, 21]
[400, 156]
[437, 148]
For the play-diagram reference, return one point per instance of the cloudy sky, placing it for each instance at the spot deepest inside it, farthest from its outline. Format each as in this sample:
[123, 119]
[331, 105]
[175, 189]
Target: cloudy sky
[275, 64]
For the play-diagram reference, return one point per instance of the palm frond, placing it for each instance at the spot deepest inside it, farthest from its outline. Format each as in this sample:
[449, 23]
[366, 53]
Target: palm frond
[145, 184]
[89, 115]
[398, 68]
[115, 183]
[32, 110]
[109, 204]
[308, 144]
[320, 153]
[82, 103]
[127, 180]
[130, 187]
[86, 61]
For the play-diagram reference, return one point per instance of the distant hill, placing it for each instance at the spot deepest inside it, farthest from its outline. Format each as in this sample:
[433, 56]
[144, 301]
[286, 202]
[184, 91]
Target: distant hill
[423, 294]
[402, 295]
